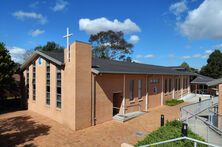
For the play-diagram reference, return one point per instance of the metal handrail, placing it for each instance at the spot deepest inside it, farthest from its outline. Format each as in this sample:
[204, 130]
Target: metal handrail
[181, 138]
[206, 122]
[217, 130]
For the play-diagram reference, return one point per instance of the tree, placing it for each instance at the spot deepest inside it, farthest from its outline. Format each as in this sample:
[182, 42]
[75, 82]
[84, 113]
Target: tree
[188, 68]
[111, 45]
[7, 69]
[214, 65]
[50, 46]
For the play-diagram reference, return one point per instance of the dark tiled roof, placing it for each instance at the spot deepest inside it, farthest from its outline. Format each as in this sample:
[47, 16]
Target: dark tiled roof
[58, 55]
[179, 68]
[215, 82]
[111, 66]
[200, 79]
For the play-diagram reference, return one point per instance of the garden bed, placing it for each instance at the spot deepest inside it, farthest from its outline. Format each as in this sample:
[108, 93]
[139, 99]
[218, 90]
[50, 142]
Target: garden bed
[173, 102]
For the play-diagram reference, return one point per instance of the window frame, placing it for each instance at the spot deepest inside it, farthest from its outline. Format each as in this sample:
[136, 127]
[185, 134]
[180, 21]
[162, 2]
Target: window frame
[131, 90]
[140, 89]
[58, 95]
[34, 81]
[48, 81]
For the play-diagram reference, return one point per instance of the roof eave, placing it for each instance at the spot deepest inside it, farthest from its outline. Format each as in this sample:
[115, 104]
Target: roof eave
[35, 54]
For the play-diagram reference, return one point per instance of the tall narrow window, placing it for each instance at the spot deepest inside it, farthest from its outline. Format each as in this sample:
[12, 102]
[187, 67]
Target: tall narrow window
[58, 89]
[165, 87]
[139, 89]
[27, 82]
[187, 82]
[170, 85]
[34, 81]
[131, 90]
[184, 83]
[47, 83]
[179, 84]
[175, 85]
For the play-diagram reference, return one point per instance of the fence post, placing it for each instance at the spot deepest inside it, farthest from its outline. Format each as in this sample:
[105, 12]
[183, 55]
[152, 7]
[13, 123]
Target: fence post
[162, 120]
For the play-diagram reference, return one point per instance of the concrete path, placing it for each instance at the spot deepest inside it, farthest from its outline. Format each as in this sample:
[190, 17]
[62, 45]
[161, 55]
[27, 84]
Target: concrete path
[195, 98]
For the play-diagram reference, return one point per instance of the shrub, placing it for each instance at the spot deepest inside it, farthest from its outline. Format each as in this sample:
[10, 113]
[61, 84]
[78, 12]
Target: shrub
[173, 102]
[170, 131]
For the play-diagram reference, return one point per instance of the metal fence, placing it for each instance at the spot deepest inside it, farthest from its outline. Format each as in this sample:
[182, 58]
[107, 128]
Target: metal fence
[191, 110]
[203, 119]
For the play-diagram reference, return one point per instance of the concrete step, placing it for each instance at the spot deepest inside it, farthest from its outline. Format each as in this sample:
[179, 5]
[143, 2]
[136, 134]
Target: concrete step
[127, 116]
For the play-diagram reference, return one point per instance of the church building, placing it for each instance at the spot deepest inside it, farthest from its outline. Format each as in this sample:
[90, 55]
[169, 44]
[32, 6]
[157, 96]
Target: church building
[79, 91]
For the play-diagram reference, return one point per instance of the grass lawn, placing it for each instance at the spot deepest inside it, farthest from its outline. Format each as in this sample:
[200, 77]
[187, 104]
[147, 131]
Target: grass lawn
[173, 102]
[170, 131]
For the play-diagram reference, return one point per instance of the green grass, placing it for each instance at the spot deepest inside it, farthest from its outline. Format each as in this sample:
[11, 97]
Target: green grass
[173, 102]
[170, 131]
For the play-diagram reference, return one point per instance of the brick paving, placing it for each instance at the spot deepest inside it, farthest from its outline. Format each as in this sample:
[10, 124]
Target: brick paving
[26, 128]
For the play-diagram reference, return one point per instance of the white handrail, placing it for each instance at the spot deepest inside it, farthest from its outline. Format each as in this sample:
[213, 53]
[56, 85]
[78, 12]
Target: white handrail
[181, 138]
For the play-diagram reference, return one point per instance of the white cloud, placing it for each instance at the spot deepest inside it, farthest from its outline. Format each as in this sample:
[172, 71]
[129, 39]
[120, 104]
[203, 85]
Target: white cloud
[219, 46]
[60, 5]
[178, 8]
[17, 54]
[31, 15]
[204, 21]
[103, 24]
[36, 32]
[146, 56]
[134, 39]
[171, 56]
[197, 56]
[149, 56]
[209, 51]
[185, 57]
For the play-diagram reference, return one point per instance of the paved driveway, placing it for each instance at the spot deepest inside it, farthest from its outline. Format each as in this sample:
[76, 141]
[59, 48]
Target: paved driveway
[31, 129]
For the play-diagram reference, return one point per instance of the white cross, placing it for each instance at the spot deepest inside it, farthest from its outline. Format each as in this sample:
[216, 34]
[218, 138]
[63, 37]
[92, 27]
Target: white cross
[67, 36]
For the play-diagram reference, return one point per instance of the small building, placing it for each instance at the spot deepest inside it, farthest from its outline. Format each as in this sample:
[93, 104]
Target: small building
[79, 91]
[199, 85]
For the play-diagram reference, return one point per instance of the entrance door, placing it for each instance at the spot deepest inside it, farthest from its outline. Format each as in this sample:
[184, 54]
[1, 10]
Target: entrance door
[117, 101]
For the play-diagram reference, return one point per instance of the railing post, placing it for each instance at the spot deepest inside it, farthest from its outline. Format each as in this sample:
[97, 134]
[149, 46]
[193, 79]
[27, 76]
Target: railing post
[195, 144]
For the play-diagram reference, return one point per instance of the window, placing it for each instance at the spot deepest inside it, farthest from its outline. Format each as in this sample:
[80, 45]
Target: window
[27, 82]
[179, 84]
[170, 85]
[154, 81]
[47, 83]
[131, 90]
[34, 81]
[58, 88]
[165, 83]
[187, 82]
[184, 83]
[139, 89]
[155, 90]
[175, 86]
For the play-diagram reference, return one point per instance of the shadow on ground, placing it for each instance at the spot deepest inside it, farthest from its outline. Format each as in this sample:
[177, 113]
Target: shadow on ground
[19, 130]
[11, 105]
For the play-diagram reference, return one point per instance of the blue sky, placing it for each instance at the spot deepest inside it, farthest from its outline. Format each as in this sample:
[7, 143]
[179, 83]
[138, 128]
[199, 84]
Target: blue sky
[164, 32]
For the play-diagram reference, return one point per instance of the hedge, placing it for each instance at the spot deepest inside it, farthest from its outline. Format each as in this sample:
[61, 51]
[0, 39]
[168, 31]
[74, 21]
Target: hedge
[170, 131]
